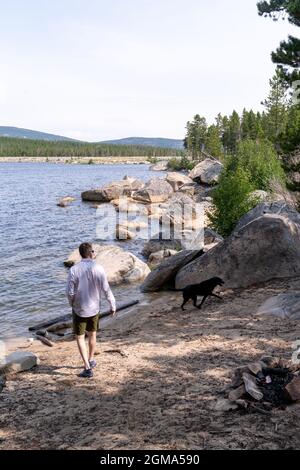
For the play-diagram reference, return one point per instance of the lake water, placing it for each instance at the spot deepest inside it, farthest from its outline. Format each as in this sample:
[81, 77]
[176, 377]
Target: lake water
[36, 235]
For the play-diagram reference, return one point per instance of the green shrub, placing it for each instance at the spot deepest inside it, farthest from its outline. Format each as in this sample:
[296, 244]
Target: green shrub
[153, 160]
[259, 158]
[183, 164]
[232, 199]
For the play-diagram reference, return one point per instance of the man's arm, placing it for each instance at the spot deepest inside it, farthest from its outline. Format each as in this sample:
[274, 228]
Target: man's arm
[70, 291]
[105, 288]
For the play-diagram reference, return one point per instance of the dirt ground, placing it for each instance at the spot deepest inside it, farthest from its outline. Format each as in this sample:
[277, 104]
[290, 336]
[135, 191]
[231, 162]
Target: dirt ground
[161, 393]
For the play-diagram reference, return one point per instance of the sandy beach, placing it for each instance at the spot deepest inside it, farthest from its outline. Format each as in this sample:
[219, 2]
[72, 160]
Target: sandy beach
[160, 372]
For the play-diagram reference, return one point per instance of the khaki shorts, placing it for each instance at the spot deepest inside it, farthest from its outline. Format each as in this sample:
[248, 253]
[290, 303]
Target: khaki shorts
[83, 324]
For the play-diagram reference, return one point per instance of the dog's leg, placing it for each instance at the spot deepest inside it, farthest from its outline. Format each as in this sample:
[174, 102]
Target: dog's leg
[194, 298]
[215, 295]
[184, 302]
[203, 300]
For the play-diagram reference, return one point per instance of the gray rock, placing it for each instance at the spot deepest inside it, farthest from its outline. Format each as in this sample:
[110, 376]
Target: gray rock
[264, 249]
[189, 188]
[159, 256]
[112, 190]
[19, 361]
[157, 244]
[65, 201]
[165, 273]
[207, 172]
[285, 306]
[156, 190]
[177, 180]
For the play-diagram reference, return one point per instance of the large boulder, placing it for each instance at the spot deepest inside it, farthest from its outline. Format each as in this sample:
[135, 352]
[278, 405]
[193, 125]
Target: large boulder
[278, 207]
[155, 190]
[285, 306]
[18, 361]
[207, 172]
[112, 190]
[264, 249]
[163, 276]
[119, 265]
[177, 180]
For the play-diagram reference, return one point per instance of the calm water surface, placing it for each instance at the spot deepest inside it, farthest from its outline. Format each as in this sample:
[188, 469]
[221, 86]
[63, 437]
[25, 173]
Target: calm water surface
[36, 235]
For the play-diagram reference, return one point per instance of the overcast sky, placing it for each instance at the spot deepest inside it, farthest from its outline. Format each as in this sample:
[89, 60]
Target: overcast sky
[103, 69]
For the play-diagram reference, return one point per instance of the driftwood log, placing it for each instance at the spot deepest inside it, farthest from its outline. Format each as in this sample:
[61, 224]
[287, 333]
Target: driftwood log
[67, 319]
[59, 326]
[45, 340]
[50, 322]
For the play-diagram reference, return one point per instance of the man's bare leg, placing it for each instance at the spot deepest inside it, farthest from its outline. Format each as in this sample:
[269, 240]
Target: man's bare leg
[92, 344]
[83, 351]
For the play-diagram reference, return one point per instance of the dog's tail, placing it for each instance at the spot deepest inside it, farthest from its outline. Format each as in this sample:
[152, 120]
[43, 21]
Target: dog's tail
[175, 290]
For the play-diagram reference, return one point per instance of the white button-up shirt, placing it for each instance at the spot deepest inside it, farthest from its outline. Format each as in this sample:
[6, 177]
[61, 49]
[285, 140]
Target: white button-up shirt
[86, 282]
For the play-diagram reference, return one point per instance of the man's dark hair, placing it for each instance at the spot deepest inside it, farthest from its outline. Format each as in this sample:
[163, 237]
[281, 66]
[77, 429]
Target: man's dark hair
[85, 250]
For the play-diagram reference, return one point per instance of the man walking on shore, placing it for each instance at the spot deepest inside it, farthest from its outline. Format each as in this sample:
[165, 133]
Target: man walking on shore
[86, 282]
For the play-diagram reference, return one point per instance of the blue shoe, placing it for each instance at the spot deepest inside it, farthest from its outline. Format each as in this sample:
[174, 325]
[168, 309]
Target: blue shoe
[93, 364]
[86, 374]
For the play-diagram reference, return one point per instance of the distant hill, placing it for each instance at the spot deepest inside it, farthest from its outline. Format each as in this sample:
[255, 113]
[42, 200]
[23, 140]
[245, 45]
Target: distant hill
[148, 141]
[20, 133]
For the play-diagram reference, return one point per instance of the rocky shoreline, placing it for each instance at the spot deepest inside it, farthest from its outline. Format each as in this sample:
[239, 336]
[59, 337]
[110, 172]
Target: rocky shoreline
[81, 160]
[164, 374]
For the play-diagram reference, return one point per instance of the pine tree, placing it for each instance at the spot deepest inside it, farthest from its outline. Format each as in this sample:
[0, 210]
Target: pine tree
[290, 140]
[213, 141]
[232, 134]
[196, 136]
[276, 109]
[288, 53]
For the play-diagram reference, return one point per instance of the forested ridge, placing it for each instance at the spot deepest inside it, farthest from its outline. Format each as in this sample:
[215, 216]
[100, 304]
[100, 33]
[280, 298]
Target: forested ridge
[14, 147]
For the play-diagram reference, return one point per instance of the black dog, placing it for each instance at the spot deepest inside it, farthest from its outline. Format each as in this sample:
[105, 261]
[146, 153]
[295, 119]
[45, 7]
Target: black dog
[204, 289]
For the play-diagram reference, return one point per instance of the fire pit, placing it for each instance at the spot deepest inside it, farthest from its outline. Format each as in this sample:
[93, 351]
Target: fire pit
[264, 385]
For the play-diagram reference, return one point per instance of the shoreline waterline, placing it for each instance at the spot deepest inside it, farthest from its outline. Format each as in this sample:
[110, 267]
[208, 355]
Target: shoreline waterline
[86, 160]
[37, 236]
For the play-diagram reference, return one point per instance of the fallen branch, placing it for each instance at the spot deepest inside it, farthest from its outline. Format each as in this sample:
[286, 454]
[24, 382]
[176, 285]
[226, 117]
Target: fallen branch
[117, 351]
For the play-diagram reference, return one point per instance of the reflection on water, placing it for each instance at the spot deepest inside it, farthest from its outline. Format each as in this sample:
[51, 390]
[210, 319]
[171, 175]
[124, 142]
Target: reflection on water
[36, 236]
